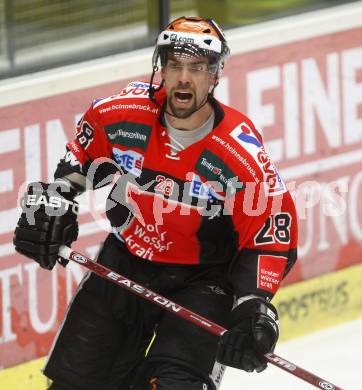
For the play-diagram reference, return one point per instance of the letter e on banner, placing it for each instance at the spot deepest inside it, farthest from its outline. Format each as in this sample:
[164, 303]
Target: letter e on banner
[270, 272]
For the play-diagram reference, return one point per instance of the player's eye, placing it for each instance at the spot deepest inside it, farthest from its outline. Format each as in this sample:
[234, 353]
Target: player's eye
[198, 67]
[174, 65]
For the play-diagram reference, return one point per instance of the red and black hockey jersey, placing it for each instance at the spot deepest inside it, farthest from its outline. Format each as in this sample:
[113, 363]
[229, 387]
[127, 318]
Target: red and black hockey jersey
[219, 200]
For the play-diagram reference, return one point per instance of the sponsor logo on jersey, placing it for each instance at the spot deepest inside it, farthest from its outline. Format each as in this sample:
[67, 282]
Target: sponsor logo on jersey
[74, 146]
[130, 160]
[133, 106]
[129, 134]
[212, 168]
[134, 91]
[201, 190]
[244, 136]
[270, 272]
[139, 84]
[151, 237]
[244, 161]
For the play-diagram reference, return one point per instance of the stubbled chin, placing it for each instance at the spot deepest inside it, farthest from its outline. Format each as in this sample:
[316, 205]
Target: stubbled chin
[182, 112]
[180, 109]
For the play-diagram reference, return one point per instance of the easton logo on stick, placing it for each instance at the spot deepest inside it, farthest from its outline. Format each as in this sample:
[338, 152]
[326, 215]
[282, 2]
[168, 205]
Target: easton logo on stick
[144, 291]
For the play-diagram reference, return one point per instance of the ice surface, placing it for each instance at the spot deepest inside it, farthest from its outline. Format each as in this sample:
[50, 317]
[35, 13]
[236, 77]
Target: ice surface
[334, 354]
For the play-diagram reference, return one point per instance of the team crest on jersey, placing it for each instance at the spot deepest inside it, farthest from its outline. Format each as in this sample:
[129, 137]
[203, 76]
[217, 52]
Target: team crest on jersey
[130, 160]
[129, 134]
[245, 137]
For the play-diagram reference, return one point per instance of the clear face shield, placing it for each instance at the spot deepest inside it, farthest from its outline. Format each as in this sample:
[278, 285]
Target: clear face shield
[176, 57]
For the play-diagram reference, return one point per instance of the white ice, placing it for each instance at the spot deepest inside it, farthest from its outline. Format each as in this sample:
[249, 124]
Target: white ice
[334, 354]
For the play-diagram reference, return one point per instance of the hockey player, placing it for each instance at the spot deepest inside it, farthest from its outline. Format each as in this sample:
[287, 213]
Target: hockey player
[200, 214]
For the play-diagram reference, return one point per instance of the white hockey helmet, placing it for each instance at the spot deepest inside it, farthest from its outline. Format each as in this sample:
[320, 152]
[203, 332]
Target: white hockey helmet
[187, 37]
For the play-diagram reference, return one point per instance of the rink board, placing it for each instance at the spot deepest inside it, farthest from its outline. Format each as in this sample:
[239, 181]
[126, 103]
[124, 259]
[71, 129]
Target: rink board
[320, 302]
[304, 307]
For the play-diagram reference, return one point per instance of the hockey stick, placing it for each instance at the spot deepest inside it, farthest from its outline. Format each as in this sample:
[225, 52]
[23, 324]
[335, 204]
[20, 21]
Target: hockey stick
[186, 314]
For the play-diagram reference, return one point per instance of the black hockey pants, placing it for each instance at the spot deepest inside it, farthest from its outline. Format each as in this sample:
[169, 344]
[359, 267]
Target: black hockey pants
[102, 342]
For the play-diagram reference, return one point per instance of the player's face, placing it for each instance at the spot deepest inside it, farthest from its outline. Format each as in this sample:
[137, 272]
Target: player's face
[187, 82]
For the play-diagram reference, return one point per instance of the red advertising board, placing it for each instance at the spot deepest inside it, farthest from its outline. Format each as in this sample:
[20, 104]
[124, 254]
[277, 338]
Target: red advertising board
[305, 97]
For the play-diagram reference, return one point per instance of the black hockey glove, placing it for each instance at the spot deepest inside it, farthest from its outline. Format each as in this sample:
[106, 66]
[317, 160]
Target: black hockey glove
[254, 332]
[48, 220]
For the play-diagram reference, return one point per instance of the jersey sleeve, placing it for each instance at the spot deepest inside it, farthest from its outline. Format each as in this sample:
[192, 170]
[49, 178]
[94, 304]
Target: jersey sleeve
[267, 246]
[90, 145]
[265, 220]
[90, 142]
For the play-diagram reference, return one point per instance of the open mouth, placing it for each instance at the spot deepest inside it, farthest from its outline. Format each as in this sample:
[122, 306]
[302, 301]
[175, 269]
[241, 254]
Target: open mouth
[183, 97]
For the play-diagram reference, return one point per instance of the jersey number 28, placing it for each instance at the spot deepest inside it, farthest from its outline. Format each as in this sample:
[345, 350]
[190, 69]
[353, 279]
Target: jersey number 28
[276, 228]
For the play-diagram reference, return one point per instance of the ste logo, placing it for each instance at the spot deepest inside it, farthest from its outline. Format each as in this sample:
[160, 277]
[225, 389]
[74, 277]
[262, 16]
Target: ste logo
[130, 160]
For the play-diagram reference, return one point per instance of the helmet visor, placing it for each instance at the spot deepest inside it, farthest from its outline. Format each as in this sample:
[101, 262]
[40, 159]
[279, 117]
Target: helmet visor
[186, 51]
